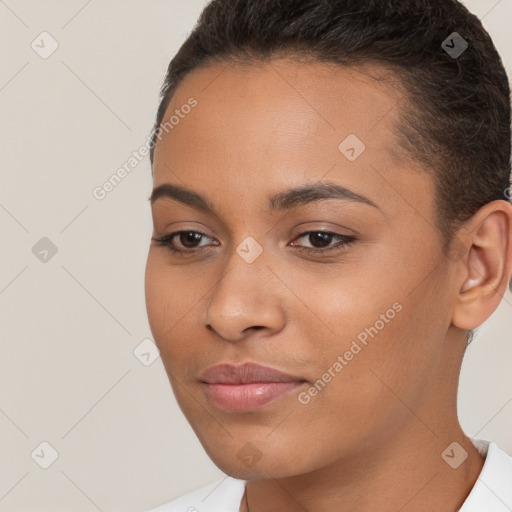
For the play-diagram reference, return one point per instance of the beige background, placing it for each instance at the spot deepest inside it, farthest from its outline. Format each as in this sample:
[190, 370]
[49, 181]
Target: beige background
[69, 326]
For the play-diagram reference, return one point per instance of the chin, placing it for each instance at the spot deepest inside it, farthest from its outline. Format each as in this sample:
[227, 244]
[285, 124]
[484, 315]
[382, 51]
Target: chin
[248, 463]
[259, 471]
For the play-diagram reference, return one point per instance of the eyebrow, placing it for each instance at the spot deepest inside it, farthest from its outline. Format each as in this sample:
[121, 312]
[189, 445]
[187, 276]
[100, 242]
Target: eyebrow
[286, 200]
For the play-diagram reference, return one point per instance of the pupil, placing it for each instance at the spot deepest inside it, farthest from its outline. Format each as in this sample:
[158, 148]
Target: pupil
[324, 238]
[188, 239]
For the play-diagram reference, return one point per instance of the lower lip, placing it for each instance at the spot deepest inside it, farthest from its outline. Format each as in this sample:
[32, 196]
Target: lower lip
[246, 397]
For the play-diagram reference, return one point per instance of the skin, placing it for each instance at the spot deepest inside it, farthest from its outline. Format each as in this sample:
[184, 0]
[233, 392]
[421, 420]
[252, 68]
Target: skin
[372, 438]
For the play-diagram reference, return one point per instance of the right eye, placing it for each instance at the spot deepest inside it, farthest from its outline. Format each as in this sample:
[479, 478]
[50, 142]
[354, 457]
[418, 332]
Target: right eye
[186, 238]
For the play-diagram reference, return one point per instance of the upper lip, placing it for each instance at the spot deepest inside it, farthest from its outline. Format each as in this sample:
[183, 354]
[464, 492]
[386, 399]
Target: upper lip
[245, 374]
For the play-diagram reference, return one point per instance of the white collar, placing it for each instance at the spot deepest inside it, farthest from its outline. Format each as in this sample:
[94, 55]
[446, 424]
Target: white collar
[492, 491]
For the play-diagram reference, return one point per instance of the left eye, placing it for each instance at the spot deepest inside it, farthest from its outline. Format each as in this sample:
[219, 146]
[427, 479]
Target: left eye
[188, 239]
[324, 239]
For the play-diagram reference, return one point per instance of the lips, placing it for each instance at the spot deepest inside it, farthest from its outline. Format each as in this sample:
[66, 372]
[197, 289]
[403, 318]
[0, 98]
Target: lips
[245, 374]
[246, 387]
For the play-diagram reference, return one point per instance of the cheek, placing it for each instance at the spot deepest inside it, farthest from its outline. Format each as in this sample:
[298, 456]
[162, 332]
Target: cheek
[157, 292]
[360, 393]
[387, 362]
[173, 310]
[380, 349]
[339, 307]
[163, 299]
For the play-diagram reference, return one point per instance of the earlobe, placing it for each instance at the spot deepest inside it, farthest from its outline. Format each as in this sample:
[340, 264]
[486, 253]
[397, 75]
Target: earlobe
[487, 265]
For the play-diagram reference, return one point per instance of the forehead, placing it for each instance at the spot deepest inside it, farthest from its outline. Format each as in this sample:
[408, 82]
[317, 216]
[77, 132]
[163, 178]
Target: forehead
[283, 96]
[268, 125]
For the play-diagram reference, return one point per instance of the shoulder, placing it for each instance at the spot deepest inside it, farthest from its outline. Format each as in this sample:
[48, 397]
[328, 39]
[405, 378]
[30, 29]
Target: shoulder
[492, 491]
[223, 495]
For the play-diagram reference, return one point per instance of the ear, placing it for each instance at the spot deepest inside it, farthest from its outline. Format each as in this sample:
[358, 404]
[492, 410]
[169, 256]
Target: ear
[486, 264]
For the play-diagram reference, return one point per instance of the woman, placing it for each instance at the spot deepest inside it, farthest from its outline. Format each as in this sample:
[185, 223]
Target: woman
[329, 228]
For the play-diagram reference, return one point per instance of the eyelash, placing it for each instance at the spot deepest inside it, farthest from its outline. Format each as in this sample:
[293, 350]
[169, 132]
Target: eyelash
[166, 241]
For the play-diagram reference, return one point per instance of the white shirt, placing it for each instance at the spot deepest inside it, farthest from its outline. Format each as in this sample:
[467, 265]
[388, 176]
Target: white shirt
[492, 491]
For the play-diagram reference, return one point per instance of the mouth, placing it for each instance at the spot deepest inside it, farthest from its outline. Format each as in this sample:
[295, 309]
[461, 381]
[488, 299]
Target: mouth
[247, 387]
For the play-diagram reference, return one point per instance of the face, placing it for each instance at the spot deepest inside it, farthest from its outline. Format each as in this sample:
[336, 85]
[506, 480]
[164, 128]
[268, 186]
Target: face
[336, 287]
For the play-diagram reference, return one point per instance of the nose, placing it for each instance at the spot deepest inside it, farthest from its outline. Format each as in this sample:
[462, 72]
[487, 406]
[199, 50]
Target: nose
[246, 299]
